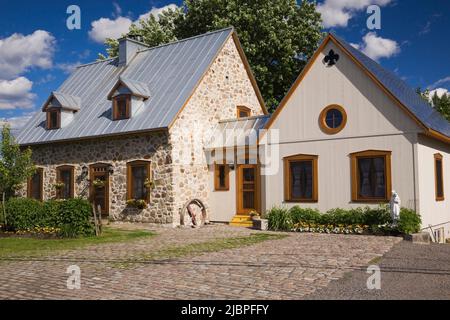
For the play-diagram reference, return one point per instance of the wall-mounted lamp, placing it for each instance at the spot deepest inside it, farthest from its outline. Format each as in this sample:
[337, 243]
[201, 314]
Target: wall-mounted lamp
[110, 169]
[84, 171]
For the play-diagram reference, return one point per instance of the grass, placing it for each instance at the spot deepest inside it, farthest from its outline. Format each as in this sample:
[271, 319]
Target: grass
[30, 247]
[209, 246]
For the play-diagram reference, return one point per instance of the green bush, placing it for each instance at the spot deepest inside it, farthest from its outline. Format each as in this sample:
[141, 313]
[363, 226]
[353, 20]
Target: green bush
[409, 221]
[72, 217]
[23, 213]
[280, 219]
[304, 214]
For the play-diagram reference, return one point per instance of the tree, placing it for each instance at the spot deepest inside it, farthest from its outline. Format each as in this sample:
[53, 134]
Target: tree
[278, 36]
[16, 165]
[441, 104]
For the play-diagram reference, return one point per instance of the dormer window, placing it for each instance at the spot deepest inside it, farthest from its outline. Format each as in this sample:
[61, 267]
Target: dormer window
[53, 119]
[60, 109]
[121, 107]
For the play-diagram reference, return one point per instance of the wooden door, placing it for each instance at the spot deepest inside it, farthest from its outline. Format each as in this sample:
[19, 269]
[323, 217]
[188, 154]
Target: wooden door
[248, 189]
[100, 194]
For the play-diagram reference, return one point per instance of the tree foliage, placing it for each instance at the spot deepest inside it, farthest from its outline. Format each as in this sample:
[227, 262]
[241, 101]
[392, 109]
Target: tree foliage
[16, 165]
[278, 36]
[441, 104]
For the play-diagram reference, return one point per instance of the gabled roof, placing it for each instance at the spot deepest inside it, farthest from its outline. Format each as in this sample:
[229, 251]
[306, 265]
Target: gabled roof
[171, 72]
[65, 101]
[433, 123]
[137, 88]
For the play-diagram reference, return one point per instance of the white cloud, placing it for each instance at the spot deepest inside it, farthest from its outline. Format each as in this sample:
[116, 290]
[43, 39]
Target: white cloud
[337, 13]
[114, 28]
[16, 94]
[19, 53]
[17, 123]
[439, 83]
[107, 28]
[377, 47]
[157, 11]
[68, 67]
[440, 92]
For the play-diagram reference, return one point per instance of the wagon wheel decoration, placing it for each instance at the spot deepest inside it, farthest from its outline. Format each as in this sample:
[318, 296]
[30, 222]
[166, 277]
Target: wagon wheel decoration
[193, 214]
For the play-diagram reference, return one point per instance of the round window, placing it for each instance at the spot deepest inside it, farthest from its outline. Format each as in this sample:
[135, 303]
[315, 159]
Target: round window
[333, 119]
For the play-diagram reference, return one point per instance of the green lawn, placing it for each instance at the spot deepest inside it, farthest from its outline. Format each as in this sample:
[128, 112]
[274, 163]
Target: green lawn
[10, 247]
[210, 246]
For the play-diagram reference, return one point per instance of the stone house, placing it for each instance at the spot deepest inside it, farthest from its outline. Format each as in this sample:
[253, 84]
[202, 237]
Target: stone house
[129, 133]
[185, 121]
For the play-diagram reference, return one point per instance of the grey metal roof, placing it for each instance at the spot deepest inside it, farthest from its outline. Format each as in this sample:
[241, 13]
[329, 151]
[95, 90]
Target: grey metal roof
[64, 100]
[136, 87]
[237, 132]
[401, 90]
[170, 71]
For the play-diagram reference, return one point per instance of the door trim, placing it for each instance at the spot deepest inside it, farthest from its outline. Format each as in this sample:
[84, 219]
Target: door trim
[239, 198]
[91, 187]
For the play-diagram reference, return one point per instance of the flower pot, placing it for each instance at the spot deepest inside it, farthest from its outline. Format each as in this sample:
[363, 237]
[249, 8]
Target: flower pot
[260, 224]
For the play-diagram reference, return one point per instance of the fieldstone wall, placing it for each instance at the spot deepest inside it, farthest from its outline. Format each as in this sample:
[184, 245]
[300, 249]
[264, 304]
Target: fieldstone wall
[117, 151]
[225, 86]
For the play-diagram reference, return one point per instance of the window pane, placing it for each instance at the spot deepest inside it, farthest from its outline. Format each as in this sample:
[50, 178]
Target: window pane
[53, 119]
[36, 181]
[66, 178]
[439, 182]
[249, 175]
[333, 118]
[372, 179]
[301, 179]
[139, 174]
[249, 199]
[222, 183]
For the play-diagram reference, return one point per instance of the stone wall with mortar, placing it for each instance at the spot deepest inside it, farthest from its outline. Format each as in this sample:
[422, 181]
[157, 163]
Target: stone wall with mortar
[225, 86]
[117, 151]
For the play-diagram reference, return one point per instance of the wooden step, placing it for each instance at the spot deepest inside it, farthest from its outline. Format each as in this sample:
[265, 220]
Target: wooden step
[241, 221]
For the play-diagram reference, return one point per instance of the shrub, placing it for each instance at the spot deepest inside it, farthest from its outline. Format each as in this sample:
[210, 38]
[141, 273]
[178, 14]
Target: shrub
[72, 217]
[304, 214]
[409, 221]
[23, 213]
[279, 219]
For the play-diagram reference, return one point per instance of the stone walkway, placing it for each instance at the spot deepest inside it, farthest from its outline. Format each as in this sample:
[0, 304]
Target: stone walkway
[289, 268]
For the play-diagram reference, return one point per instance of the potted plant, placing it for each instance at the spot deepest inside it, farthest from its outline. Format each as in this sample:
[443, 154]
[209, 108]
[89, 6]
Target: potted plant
[97, 183]
[137, 203]
[58, 185]
[148, 183]
[258, 222]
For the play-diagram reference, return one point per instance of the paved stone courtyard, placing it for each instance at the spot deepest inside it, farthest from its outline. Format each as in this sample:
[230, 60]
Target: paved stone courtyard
[288, 268]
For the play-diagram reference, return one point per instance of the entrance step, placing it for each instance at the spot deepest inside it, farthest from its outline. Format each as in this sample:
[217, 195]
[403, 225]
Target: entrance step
[241, 221]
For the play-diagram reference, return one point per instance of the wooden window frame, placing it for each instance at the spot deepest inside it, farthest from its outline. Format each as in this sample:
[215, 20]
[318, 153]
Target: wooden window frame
[58, 119]
[72, 178]
[40, 171]
[243, 109]
[217, 186]
[287, 178]
[130, 166]
[439, 157]
[127, 98]
[355, 175]
[323, 116]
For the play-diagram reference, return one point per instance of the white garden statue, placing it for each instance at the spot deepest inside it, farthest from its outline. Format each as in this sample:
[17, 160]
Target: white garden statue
[395, 206]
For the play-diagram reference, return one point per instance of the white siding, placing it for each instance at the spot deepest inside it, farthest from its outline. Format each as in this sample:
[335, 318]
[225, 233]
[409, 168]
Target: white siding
[433, 212]
[374, 122]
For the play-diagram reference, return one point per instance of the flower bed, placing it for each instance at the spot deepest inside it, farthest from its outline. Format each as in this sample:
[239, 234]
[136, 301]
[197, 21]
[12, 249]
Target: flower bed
[339, 221]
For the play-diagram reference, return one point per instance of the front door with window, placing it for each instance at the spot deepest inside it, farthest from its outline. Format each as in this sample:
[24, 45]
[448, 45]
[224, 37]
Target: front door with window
[247, 189]
[99, 188]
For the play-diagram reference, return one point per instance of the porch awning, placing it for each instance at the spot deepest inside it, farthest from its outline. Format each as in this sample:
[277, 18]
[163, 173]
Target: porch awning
[237, 132]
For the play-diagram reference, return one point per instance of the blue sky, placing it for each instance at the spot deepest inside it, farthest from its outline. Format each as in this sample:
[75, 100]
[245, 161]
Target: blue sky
[37, 51]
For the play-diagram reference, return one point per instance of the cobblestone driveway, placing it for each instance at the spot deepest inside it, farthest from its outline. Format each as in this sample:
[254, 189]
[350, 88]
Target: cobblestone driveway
[289, 268]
